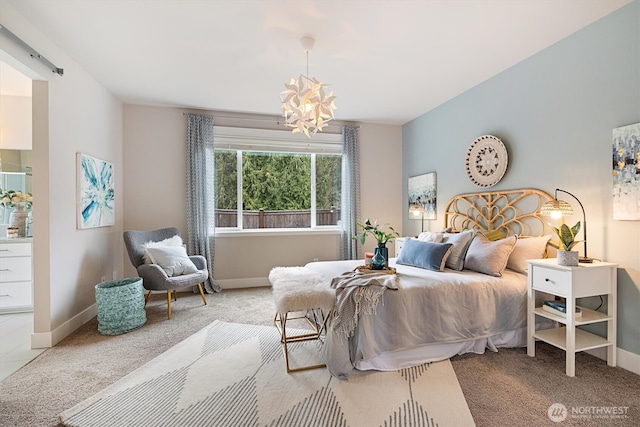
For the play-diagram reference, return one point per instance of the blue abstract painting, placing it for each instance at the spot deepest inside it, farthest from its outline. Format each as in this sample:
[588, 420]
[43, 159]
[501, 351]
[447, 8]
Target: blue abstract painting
[95, 192]
[626, 172]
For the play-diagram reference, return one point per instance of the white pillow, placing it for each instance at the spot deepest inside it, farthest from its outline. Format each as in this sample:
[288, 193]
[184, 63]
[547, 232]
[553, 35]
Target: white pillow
[527, 248]
[461, 242]
[428, 236]
[173, 259]
[171, 241]
[487, 256]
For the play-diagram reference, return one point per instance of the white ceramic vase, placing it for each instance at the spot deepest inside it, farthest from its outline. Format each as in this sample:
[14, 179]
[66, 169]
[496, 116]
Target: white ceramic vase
[18, 218]
[568, 258]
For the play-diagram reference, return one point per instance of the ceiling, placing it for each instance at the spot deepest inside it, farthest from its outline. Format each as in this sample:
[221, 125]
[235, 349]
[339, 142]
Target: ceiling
[387, 61]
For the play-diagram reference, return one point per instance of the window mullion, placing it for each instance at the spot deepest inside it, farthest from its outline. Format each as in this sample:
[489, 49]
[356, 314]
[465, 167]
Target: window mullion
[239, 189]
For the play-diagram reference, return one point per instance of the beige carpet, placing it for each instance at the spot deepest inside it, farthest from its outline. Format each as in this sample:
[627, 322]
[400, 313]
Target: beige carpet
[230, 374]
[502, 389]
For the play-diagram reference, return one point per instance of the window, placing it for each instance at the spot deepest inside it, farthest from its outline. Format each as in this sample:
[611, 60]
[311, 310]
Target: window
[273, 179]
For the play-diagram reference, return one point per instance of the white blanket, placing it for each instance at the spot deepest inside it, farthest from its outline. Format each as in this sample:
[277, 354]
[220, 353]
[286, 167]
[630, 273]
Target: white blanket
[429, 308]
[357, 294]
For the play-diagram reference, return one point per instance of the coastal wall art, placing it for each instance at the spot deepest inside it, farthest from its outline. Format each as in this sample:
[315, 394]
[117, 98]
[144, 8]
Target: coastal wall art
[95, 192]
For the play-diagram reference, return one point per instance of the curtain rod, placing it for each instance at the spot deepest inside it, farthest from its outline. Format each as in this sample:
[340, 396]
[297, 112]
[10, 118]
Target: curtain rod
[257, 119]
[31, 51]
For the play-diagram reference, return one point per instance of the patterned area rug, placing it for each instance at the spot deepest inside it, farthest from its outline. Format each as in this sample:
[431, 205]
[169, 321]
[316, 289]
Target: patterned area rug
[234, 375]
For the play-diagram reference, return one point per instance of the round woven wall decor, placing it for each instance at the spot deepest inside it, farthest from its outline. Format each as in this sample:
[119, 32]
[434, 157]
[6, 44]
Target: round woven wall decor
[486, 161]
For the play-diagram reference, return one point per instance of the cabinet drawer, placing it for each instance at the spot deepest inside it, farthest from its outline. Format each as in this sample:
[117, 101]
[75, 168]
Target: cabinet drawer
[556, 282]
[15, 269]
[15, 249]
[15, 295]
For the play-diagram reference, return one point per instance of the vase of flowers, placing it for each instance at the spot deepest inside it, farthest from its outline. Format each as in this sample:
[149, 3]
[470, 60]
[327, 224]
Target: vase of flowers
[21, 203]
[380, 258]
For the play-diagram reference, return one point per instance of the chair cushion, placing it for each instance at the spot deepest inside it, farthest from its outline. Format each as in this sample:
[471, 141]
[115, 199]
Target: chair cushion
[173, 259]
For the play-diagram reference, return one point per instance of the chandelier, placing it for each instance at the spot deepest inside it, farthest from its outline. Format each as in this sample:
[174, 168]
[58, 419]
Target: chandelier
[307, 108]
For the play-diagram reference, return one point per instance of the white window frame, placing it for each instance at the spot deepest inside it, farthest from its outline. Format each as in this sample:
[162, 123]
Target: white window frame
[244, 139]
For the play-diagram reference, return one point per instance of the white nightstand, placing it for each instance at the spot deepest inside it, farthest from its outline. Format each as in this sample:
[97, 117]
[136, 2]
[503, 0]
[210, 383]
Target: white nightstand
[399, 242]
[599, 278]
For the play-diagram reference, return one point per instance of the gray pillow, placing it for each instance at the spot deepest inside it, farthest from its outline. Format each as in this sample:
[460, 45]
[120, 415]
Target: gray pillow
[429, 255]
[485, 256]
[460, 243]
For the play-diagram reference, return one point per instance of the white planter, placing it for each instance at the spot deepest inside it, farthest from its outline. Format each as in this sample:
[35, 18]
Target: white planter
[569, 258]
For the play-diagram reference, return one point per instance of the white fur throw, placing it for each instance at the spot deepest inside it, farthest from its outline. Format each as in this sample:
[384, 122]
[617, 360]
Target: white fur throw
[300, 289]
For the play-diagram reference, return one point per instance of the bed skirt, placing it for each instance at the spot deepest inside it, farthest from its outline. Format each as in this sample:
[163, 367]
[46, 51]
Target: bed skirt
[392, 361]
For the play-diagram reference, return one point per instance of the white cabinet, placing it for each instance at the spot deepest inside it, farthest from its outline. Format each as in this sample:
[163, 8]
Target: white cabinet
[585, 280]
[16, 283]
[399, 242]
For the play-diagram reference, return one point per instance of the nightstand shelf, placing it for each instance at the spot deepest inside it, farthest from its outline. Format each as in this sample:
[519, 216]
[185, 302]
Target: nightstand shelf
[585, 280]
[588, 316]
[584, 340]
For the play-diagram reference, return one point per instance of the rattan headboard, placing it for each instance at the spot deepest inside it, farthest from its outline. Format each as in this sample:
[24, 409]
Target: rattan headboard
[514, 211]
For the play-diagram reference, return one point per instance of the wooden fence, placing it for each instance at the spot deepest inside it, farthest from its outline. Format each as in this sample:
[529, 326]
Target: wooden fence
[276, 219]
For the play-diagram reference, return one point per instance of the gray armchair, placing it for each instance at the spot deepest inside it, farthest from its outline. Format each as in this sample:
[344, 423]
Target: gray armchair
[154, 278]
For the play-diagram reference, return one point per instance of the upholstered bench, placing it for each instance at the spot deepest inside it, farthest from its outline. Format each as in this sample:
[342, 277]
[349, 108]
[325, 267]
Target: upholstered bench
[300, 293]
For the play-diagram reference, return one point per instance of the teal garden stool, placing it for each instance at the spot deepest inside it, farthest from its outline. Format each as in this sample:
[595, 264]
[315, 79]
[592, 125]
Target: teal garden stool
[120, 306]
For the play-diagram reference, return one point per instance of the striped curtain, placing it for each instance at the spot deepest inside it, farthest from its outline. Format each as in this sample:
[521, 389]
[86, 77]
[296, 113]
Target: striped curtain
[200, 192]
[350, 204]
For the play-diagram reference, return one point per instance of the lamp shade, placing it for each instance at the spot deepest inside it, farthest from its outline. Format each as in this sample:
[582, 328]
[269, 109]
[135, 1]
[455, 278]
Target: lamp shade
[416, 210]
[556, 208]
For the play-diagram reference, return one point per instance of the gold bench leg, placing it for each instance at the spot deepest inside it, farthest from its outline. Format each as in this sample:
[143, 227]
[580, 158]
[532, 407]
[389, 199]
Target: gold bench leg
[281, 324]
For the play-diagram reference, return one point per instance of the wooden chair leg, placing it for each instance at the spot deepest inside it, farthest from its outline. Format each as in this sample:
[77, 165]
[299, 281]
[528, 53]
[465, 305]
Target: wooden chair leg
[202, 293]
[146, 300]
[169, 304]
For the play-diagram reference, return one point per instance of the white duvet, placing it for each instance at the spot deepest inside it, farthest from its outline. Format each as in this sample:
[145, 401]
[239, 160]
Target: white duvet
[432, 316]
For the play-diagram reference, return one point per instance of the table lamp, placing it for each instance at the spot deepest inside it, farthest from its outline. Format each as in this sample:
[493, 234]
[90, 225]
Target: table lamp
[559, 208]
[418, 211]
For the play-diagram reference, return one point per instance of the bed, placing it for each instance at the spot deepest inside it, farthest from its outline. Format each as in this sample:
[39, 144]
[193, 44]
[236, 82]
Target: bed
[434, 315]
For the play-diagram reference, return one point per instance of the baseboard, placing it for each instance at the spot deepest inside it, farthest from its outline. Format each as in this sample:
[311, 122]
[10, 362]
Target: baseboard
[49, 339]
[624, 359]
[249, 282]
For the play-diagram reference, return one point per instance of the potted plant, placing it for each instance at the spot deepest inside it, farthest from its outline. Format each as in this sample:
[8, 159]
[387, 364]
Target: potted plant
[381, 253]
[567, 236]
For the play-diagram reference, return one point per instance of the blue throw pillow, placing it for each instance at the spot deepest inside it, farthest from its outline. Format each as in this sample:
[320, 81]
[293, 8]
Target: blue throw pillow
[427, 255]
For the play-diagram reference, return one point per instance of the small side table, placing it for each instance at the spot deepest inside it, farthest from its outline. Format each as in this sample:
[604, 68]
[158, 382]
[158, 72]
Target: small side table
[585, 280]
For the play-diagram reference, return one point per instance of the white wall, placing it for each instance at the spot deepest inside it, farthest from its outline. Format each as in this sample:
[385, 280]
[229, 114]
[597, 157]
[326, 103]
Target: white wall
[15, 122]
[71, 113]
[155, 168]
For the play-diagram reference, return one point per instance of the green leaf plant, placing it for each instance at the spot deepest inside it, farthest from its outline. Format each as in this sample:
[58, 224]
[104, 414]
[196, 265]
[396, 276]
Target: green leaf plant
[377, 231]
[567, 235]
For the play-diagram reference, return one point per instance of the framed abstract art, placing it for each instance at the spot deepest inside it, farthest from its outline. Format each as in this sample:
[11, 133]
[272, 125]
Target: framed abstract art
[95, 192]
[626, 172]
[422, 192]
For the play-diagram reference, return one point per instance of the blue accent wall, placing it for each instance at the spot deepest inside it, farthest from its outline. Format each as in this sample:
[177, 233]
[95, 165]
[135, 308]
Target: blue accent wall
[555, 112]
